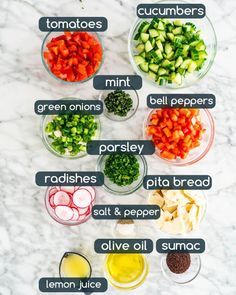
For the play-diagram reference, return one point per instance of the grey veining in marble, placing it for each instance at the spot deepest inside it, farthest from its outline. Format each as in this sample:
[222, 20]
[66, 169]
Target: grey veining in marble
[31, 243]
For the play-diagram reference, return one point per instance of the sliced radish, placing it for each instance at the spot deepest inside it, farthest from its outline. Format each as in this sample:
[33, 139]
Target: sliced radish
[52, 191]
[91, 190]
[82, 217]
[64, 213]
[76, 188]
[68, 189]
[51, 202]
[89, 211]
[82, 198]
[61, 198]
[58, 188]
[82, 211]
[76, 214]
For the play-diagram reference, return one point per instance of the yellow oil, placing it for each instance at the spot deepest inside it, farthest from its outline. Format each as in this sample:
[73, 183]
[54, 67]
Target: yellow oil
[125, 268]
[75, 266]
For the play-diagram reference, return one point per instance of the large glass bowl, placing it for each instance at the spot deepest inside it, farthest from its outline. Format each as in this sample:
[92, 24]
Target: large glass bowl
[47, 141]
[207, 34]
[48, 38]
[195, 154]
[123, 190]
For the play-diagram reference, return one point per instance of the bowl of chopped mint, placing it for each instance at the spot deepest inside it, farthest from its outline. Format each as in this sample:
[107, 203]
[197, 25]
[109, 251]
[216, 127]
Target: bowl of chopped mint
[120, 105]
[172, 53]
[67, 135]
[123, 173]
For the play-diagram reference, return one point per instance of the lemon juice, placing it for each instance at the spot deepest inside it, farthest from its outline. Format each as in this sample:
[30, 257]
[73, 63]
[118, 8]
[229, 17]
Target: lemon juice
[74, 265]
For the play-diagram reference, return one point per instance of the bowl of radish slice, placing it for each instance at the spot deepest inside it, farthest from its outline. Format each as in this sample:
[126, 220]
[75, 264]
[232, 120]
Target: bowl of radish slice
[70, 205]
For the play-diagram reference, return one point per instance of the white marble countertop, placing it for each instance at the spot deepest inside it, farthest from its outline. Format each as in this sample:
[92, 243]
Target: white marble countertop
[31, 243]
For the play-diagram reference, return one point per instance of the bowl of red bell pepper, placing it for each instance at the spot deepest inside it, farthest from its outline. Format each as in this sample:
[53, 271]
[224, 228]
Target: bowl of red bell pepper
[72, 57]
[181, 136]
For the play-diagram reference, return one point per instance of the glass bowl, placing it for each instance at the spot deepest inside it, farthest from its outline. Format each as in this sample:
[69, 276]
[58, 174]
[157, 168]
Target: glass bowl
[53, 215]
[48, 38]
[171, 235]
[135, 98]
[128, 285]
[186, 277]
[208, 35]
[123, 190]
[76, 254]
[197, 153]
[47, 141]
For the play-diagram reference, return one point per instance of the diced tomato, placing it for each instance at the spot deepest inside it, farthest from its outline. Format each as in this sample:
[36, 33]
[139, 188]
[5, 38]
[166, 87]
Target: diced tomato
[74, 56]
[175, 132]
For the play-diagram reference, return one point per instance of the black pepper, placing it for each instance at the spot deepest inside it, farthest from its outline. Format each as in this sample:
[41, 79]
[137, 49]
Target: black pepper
[178, 262]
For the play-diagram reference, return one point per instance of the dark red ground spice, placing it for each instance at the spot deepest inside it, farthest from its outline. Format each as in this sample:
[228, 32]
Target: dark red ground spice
[178, 262]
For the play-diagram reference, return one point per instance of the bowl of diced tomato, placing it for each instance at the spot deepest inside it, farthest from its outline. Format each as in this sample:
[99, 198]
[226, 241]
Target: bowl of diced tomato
[72, 57]
[181, 136]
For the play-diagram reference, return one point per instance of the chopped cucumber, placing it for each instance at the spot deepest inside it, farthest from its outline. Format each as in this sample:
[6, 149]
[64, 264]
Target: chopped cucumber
[140, 47]
[177, 31]
[169, 50]
[144, 37]
[192, 66]
[139, 60]
[179, 61]
[148, 46]
[153, 67]
[159, 45]
[144, 66]
[178, 23]
[153, 33]
[152, 75]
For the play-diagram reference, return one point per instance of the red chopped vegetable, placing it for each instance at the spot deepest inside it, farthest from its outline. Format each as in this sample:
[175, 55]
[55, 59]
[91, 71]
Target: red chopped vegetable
[74, 56]
[175, 132]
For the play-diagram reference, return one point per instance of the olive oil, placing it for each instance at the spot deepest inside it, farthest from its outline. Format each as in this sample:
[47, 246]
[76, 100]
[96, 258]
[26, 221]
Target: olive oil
[126, 271]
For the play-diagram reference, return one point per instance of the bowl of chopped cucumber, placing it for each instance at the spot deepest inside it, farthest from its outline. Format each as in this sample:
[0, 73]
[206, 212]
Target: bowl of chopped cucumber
[67, 135]
[172, 53]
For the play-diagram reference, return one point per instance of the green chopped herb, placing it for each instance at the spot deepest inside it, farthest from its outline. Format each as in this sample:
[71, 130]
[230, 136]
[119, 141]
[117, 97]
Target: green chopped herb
[70, 133]
[122, 169]
[118, 102]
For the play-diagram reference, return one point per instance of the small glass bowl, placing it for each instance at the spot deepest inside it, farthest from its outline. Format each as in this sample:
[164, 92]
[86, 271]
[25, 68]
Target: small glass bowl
[48, 38]
[53, 215]
[186, 277]
[208, 35]
[127, 286]
[195, 154]
[135, 98]
[123, 190]
[73, 253]
[47, 141]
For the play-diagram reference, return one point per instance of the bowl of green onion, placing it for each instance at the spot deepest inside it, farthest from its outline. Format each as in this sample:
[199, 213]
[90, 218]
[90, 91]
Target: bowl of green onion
[67, 135]
[123, 173]
[119, 105]
[172, 53]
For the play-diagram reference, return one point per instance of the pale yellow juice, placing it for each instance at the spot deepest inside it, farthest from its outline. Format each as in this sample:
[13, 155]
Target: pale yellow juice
[75, 266]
